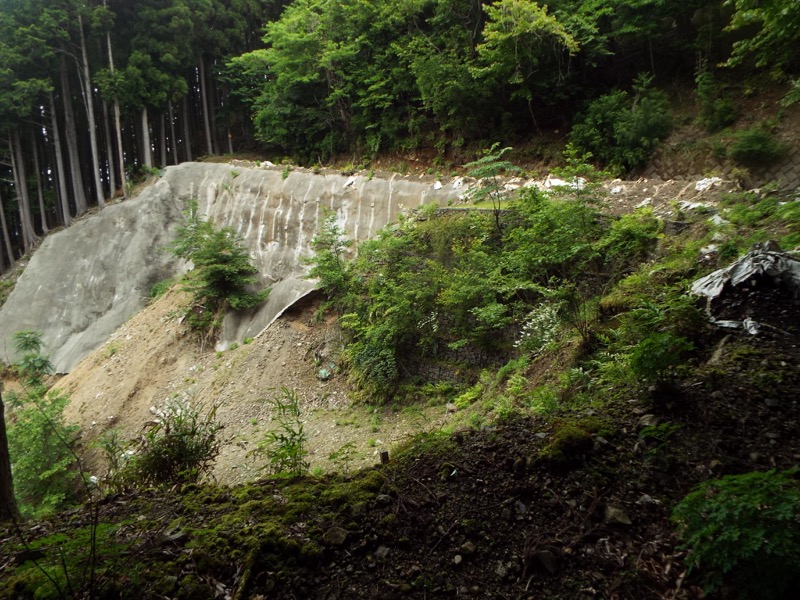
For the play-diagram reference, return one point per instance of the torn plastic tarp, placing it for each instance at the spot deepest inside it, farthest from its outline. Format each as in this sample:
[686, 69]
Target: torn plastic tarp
[764, 259]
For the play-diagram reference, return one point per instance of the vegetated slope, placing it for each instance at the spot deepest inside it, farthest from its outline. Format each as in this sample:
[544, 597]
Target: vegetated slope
[489, 513]
[152, 360]
[571, 503]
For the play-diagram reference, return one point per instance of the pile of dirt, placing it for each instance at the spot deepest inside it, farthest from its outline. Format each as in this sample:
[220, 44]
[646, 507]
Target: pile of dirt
[154, 360]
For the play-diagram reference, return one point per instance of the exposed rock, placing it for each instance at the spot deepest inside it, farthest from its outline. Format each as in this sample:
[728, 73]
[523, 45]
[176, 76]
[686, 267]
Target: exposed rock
[335, 536]
[615, 515]
[89, 294]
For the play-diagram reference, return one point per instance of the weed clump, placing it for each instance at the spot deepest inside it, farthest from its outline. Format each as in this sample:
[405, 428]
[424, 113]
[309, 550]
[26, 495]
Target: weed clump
[756, 147]
[177, 448]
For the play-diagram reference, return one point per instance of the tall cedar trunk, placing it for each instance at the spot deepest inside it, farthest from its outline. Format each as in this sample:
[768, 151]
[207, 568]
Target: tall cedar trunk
[112, 169]
[60, 176]
[8, 504]
[204, 101]
[72, 144]
[118, 127]
[21, 182]
[89, 103]
[162, 142]
[187, 133]
[117, 119]
[172, 138]
[6, 237]
[147, 151]
[39, 191]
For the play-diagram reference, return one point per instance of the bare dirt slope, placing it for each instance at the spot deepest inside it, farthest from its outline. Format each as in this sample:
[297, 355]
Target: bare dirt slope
[153, 360]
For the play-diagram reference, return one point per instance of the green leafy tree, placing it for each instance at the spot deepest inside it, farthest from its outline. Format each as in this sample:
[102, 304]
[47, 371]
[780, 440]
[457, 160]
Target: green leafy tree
[487, 170]
[774, 45]
[43, 459]
[520, 40]
[222, 275]
[623, 131]
[329, 264]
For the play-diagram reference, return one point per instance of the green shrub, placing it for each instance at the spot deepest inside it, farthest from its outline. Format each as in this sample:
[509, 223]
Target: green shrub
[744, 530]
[285, 446]
[222, 274]
[160, 288]
[46, 476]
[177, 448]
[328, 263]
[716, 111]
[621, 130]
[756, 147]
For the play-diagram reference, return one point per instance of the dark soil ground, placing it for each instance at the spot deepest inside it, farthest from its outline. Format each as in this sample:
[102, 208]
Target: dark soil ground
[519, 509]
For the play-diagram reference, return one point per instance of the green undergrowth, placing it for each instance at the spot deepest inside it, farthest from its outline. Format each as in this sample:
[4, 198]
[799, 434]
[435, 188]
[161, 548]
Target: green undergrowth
[550, 315]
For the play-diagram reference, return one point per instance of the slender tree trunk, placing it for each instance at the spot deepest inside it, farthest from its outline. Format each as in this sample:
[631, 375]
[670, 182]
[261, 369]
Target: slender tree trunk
[39, 192]
[60, 176]
[162, 132]
[89, 102]
[8, 503]
[112, 171]
[172, 138]
[206, 113]
[187, 133]
[6, 237]
[20, 180]
[72, 144]
[117, 119]
[147, 151]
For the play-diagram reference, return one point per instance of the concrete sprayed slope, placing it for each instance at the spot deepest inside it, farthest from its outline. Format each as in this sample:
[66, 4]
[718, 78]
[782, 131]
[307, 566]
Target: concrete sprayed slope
[85, 281]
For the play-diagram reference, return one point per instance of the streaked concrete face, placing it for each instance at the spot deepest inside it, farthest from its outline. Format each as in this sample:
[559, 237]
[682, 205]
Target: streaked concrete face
[87, 280]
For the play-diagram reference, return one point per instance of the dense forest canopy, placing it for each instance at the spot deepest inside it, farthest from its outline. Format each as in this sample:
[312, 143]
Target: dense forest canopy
[96, 93]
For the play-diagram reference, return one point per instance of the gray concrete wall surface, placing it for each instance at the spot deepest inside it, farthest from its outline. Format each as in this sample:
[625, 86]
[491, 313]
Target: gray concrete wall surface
[85, 281]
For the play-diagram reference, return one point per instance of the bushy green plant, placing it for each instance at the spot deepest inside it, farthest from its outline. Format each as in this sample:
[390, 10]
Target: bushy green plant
[285, 446]
[43, 459]
[328, 263]
[160, 288]
[621, 130]
[32, 365]
[629, 239]
[179, 447]
[222, 274]
[756, 147]
[40, 444]
[716, 110]
[744, 530]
